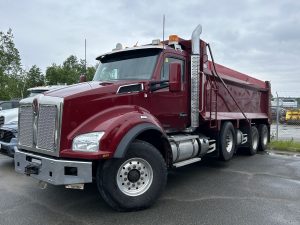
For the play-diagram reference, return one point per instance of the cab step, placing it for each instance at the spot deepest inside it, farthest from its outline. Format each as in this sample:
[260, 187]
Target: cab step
[186, 162]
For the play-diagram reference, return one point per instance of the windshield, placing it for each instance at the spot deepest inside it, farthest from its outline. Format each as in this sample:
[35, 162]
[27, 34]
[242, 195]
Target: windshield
[131, 65]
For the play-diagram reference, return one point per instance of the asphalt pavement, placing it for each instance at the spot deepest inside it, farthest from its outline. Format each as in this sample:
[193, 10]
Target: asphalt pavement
[262, 189]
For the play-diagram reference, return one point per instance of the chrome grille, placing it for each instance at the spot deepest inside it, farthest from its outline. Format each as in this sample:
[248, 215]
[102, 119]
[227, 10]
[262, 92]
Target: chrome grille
[39, 124]
[26, 126]
[46, 127]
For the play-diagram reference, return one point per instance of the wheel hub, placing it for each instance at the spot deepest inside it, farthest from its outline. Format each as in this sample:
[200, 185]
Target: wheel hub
[229, 142]
[134, 175]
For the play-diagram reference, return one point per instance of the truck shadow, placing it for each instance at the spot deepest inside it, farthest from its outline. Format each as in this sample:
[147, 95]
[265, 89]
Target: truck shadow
[177, 180]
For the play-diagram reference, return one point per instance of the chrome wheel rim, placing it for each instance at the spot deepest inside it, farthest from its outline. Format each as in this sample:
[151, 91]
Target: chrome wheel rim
[229, 142]
[134, 177]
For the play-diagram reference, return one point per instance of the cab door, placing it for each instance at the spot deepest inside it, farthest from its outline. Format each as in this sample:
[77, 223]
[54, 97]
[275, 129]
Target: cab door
[170, 108]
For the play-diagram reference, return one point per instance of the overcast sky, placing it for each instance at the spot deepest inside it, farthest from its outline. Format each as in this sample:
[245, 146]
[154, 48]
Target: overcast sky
[260, 38]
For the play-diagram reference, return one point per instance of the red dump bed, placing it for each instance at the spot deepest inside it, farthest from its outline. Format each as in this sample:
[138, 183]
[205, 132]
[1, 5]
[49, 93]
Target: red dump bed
[236, 76]
[251, 94]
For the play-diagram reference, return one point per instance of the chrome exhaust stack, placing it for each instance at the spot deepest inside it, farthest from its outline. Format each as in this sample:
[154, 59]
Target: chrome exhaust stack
[195, 77]
[196, 40]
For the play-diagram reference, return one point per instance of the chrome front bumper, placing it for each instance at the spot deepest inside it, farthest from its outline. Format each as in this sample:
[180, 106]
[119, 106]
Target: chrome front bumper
[53, 171]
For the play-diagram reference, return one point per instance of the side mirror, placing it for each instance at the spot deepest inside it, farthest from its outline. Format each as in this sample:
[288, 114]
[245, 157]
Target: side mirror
[82, 78]
[175, 77]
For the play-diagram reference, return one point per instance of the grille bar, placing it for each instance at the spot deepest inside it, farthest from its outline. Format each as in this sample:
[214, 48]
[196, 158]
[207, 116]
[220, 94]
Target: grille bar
[46, 127]
[26, 126]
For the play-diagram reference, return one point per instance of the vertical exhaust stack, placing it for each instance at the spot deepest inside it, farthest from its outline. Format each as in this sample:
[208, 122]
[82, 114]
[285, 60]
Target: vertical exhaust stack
[195, 80]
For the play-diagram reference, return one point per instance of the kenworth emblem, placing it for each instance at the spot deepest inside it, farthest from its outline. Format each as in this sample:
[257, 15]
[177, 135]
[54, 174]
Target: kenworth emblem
[35, 109]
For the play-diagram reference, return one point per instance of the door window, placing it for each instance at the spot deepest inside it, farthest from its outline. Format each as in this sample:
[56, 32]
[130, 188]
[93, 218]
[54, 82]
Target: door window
[164, 75]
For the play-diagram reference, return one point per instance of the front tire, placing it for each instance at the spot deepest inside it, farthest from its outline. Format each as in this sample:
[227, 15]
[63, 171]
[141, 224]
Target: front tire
[135, 181]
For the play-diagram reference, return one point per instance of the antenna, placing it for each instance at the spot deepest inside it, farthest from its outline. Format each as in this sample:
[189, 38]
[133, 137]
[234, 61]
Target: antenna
[85, 55]
[164, 31]
[163, 44]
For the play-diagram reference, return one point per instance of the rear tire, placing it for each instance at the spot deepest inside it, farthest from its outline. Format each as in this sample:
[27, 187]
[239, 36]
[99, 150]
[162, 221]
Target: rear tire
[263, 137]
[254, 141]
[135, 181]
[227, 141]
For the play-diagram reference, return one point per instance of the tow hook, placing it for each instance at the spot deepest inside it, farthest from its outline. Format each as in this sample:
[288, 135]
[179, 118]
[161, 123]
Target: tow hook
[32, 168]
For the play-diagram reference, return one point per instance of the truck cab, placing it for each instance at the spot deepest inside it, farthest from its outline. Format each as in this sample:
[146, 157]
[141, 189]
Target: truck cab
[142, 75]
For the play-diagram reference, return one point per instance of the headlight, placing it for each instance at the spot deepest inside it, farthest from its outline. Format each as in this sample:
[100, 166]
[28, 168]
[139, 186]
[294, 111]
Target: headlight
[87, 142]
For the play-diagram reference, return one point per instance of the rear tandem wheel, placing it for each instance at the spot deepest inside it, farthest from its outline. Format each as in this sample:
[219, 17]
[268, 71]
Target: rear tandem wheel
[227, 141]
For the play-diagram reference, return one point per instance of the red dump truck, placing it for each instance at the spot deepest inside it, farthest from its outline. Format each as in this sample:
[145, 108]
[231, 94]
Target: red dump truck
[148, 109]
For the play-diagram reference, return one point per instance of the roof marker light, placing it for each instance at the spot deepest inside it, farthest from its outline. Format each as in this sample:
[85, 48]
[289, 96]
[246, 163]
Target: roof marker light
[156, 42]
[118, 47]
[173, 40]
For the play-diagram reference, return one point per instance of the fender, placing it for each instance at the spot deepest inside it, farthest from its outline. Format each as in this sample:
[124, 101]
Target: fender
[121, 125]
[131, 135]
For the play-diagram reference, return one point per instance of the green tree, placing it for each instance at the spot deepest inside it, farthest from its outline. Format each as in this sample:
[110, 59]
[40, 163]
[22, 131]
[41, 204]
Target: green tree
[90, 72]
[69, 72]
[10, 61]
[34, 77]
[10, 67]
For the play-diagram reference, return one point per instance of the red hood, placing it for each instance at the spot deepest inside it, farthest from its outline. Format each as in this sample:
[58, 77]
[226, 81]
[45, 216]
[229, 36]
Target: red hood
[87, 88]
[85, 100]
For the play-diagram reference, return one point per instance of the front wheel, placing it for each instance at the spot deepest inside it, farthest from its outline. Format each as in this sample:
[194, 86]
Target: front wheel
[133, 182]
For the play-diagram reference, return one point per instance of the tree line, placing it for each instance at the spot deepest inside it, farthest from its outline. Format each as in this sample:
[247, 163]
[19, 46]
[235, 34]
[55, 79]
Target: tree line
[15, 80]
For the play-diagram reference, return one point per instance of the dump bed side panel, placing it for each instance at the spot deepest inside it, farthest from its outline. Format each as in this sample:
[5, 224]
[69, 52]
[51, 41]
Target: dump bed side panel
[252, 96]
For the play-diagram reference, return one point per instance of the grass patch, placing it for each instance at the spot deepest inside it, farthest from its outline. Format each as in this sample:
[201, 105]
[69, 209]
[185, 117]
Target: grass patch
[289, 145]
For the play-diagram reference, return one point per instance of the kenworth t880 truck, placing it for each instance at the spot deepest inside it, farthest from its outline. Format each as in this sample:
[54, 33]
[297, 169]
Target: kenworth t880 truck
[148, 109]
